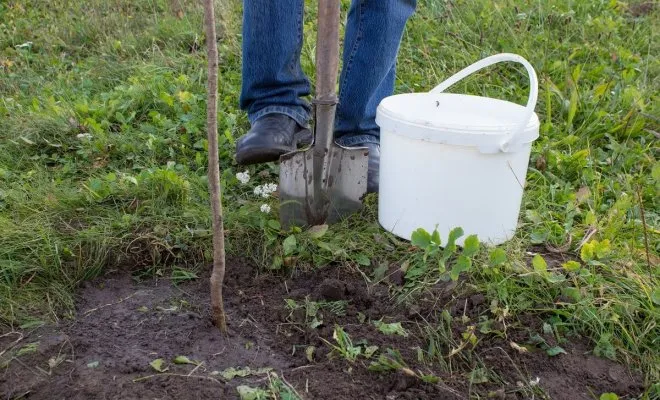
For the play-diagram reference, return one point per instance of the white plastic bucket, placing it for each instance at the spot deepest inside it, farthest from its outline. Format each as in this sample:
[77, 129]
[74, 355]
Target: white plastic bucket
[454, 160]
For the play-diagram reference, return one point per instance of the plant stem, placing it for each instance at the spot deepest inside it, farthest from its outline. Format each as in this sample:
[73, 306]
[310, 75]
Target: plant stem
[218, 274]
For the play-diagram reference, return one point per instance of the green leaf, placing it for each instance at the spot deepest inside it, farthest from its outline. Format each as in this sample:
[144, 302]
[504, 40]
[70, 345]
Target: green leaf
[604, 347]
[274, 224]
[393, 328]
[478, 375]
[539, 264]
[231, 372]
[317, 231]
[435, 238]
[655, 296]
[250, 393]
[309, 353]
[450, 247]
[379, 272]
[554, 351]
[573, 293]
[289, 245]
[497, 257]
[471, 245]
[602, 249]
[587, 252]
[363, 260]
[184, 360]
[157, 364]
[93, 364]
[432, 379]
[28, 349]
[463, 264]
[370, 350]
[609, 396]
[420, 238]
[571, 266]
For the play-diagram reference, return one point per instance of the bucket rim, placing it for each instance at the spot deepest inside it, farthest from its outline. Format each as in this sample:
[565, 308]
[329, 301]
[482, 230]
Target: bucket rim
[486, 138]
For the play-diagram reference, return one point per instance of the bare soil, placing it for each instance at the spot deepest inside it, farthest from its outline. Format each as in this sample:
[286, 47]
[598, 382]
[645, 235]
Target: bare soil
[122, 324]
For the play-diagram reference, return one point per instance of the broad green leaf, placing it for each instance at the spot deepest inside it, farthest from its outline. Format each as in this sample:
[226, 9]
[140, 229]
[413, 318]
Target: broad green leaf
[250, 393]
[231, 372]
[379, 272]
[602, 249]
[309, 353]
[554, 351]
[497, 257]
[289, 245]
[435, 238]
[571, 266]
[317, 231]
[450, 247]
[462, 264]
[420, 238]
[587, 252]
[274, 224]
[370, 350]
[184, 360]
[478, 375]
[609, 396]
[157, 364]
[539, 264]
[393, 328]
[471, 245]
[655, 296]
[363, 260]
[555, 278]
[573, 293]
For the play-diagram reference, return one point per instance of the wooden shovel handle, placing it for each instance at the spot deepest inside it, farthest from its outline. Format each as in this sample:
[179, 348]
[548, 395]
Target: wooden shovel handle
[327, 50]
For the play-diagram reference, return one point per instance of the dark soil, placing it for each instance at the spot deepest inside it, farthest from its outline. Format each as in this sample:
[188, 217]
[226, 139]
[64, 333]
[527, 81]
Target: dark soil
[123, 324]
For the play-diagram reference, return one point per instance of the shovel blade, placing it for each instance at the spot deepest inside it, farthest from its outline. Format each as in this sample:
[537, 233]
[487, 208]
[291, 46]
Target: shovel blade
[341, 195]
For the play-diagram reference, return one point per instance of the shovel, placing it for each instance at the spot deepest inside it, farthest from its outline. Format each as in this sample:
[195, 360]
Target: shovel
[326, 182]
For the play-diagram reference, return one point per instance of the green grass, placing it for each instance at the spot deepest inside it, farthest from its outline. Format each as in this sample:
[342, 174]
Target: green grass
[103, 157]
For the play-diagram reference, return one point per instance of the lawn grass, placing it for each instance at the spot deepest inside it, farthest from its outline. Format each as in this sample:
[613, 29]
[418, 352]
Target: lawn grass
[103, 158]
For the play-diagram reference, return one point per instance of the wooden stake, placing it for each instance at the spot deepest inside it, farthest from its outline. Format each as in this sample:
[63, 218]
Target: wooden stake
[218, 274]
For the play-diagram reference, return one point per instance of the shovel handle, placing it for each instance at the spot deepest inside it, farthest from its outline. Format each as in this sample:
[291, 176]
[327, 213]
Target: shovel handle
[327, 50]
[327, 67]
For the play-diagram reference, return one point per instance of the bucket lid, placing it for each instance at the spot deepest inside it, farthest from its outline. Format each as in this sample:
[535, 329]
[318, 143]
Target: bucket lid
[489, 124]
[456, 119]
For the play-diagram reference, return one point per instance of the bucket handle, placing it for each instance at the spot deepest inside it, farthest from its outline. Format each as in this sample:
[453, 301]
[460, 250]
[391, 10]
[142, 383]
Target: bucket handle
[488, 61]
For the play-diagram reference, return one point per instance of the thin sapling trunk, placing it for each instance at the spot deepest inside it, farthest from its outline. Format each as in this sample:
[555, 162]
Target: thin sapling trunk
[218, 274]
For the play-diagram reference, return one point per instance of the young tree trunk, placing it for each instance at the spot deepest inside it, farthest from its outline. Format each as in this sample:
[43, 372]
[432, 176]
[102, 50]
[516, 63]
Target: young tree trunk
[218, 274]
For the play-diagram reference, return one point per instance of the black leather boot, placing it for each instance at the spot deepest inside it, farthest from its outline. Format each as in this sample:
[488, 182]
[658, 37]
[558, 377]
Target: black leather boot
[271, 136]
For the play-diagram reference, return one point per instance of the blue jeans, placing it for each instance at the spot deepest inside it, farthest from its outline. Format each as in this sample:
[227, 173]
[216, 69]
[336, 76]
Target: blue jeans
[273, 80]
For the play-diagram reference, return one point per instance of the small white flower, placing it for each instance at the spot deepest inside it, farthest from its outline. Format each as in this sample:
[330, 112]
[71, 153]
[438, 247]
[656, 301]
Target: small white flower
[534, 381]
[265, 208]
[25, 45]
[243, 177]
[265, 190]
[82, 136]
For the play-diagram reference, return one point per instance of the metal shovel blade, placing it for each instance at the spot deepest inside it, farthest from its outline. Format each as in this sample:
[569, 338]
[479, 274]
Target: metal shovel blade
[302, 204]
[325, 182]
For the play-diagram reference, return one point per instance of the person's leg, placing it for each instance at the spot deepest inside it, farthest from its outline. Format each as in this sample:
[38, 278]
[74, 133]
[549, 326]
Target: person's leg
[273, 82]
[373, 34]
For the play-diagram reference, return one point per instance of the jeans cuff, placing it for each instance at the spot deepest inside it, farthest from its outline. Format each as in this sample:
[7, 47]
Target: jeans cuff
[356, 140]
[298, 115]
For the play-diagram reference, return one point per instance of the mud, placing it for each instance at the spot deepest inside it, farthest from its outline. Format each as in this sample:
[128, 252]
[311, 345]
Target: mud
[122, 324]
